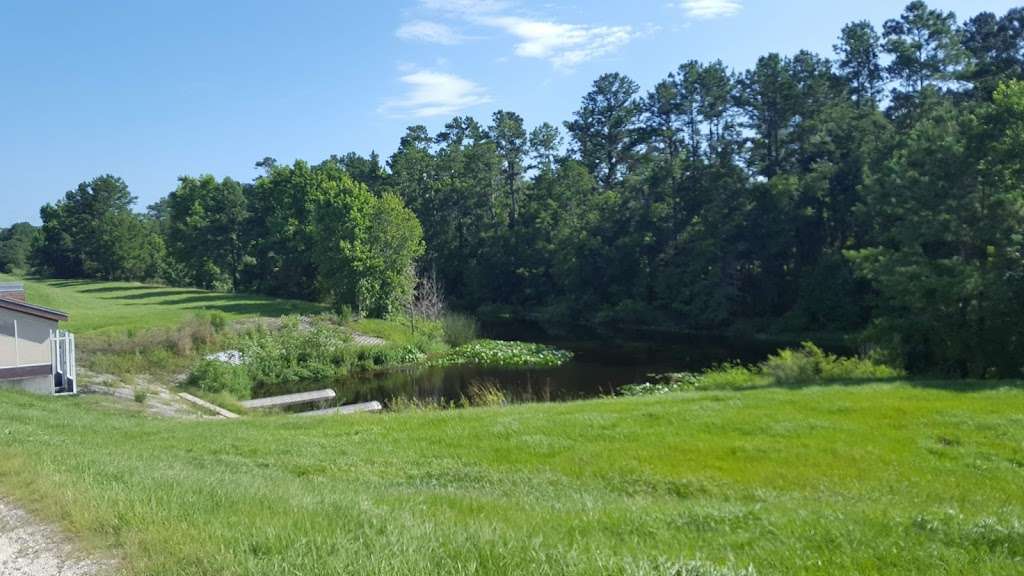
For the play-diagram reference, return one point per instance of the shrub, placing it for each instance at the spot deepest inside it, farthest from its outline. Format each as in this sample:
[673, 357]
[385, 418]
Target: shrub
[141, 394]
[215, 377]
[790, 366]
[810, 363]
[297, 351]
[856, 368]
[459, 329]
[344, 313]
[731, 376]
[218, 321]
[314, 350]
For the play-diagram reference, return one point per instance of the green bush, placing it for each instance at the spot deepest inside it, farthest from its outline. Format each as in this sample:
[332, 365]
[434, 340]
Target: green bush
[314, 350]
[731, 376]
[459, 329]
[298, 350]
[215, 377]
[809, 364]
[218, 321]
[802, 366]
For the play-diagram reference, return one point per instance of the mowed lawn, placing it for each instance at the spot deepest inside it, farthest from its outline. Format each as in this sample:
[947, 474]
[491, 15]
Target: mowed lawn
[115, 307]
[894, 478]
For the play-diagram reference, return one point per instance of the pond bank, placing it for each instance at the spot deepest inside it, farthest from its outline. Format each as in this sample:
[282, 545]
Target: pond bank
[604, 360]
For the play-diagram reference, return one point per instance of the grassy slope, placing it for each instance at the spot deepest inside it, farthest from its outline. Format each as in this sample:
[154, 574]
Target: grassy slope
[886, 478]
[108, 307]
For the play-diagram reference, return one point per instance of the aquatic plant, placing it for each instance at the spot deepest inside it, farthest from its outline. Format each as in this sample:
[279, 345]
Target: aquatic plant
[506, 354]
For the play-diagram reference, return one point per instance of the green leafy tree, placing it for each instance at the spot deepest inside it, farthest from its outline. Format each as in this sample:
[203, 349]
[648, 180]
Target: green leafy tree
[367, 248]
[207, 230]
[950, 213]
[996, 49]
[925, 47]
[768, 96]
[511, 142]
[16, 245]
[280, 231]
[92, 232]
[604, 128]
[859, 62]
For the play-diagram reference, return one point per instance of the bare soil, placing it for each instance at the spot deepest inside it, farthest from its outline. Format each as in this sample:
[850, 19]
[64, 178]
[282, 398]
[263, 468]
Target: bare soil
[31, 548]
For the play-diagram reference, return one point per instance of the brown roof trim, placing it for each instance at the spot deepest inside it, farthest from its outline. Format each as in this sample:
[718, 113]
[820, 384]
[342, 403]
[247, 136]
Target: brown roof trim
[33, 310]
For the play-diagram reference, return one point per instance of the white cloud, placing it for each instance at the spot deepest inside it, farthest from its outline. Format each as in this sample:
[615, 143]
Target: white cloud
[564, 45]
[708, 9]
[435, 94]
[426, 31]
[467, 7]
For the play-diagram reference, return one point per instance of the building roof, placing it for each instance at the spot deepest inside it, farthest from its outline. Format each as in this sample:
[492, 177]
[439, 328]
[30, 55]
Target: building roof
[33, 310]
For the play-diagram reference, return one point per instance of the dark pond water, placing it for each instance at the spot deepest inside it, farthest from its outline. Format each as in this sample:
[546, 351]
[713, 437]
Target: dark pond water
[604, 360]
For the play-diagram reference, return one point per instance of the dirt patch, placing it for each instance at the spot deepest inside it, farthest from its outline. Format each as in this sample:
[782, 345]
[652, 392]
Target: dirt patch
[30, 548]
[156, 400]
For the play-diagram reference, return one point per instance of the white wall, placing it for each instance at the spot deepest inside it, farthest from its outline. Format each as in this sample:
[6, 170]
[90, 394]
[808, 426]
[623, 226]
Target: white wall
[33, 345]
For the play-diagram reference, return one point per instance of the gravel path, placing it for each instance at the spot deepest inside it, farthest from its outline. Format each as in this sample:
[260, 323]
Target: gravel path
[364, 340]
[28, 548]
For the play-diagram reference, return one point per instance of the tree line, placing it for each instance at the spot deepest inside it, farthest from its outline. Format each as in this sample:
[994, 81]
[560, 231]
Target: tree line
[876, 191]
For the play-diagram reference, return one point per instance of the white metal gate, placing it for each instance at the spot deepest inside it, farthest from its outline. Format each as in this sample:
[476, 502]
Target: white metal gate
[62, 359]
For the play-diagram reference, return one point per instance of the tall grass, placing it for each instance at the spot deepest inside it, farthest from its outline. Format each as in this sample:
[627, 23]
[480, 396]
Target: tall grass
[459, 329]
[802, 366]
[153, 350]
[484, 392]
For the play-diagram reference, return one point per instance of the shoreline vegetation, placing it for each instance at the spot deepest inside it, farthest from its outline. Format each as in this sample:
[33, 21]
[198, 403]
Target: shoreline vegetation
[282, 350]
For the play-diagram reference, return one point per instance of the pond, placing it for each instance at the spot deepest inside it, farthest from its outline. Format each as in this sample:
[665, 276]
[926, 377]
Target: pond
[605, 360]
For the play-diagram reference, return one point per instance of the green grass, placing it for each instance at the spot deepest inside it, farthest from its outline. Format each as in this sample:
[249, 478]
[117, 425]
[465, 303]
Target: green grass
[107, 308]
[398, 330]
[890, 478]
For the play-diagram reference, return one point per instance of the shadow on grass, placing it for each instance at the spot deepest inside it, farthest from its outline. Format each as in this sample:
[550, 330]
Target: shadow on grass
[69, 283]
[111, 289]
[240, 304]
[157, 293]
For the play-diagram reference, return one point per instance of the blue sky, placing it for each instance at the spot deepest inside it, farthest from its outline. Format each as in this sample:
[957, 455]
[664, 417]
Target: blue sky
[153, 90]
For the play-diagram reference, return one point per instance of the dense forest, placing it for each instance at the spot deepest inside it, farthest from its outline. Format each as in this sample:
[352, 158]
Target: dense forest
[877, 192]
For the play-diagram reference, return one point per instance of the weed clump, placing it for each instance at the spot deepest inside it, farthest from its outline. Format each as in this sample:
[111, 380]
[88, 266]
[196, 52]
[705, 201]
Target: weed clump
[217, 377]
[801, 366]
[809, 364]
[459, 329]
[484, 393]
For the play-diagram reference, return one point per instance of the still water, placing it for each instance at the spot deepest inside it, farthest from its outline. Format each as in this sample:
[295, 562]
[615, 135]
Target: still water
[605, 359]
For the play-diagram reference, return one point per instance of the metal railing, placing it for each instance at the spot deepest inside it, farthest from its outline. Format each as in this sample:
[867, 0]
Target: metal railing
[62, 360]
